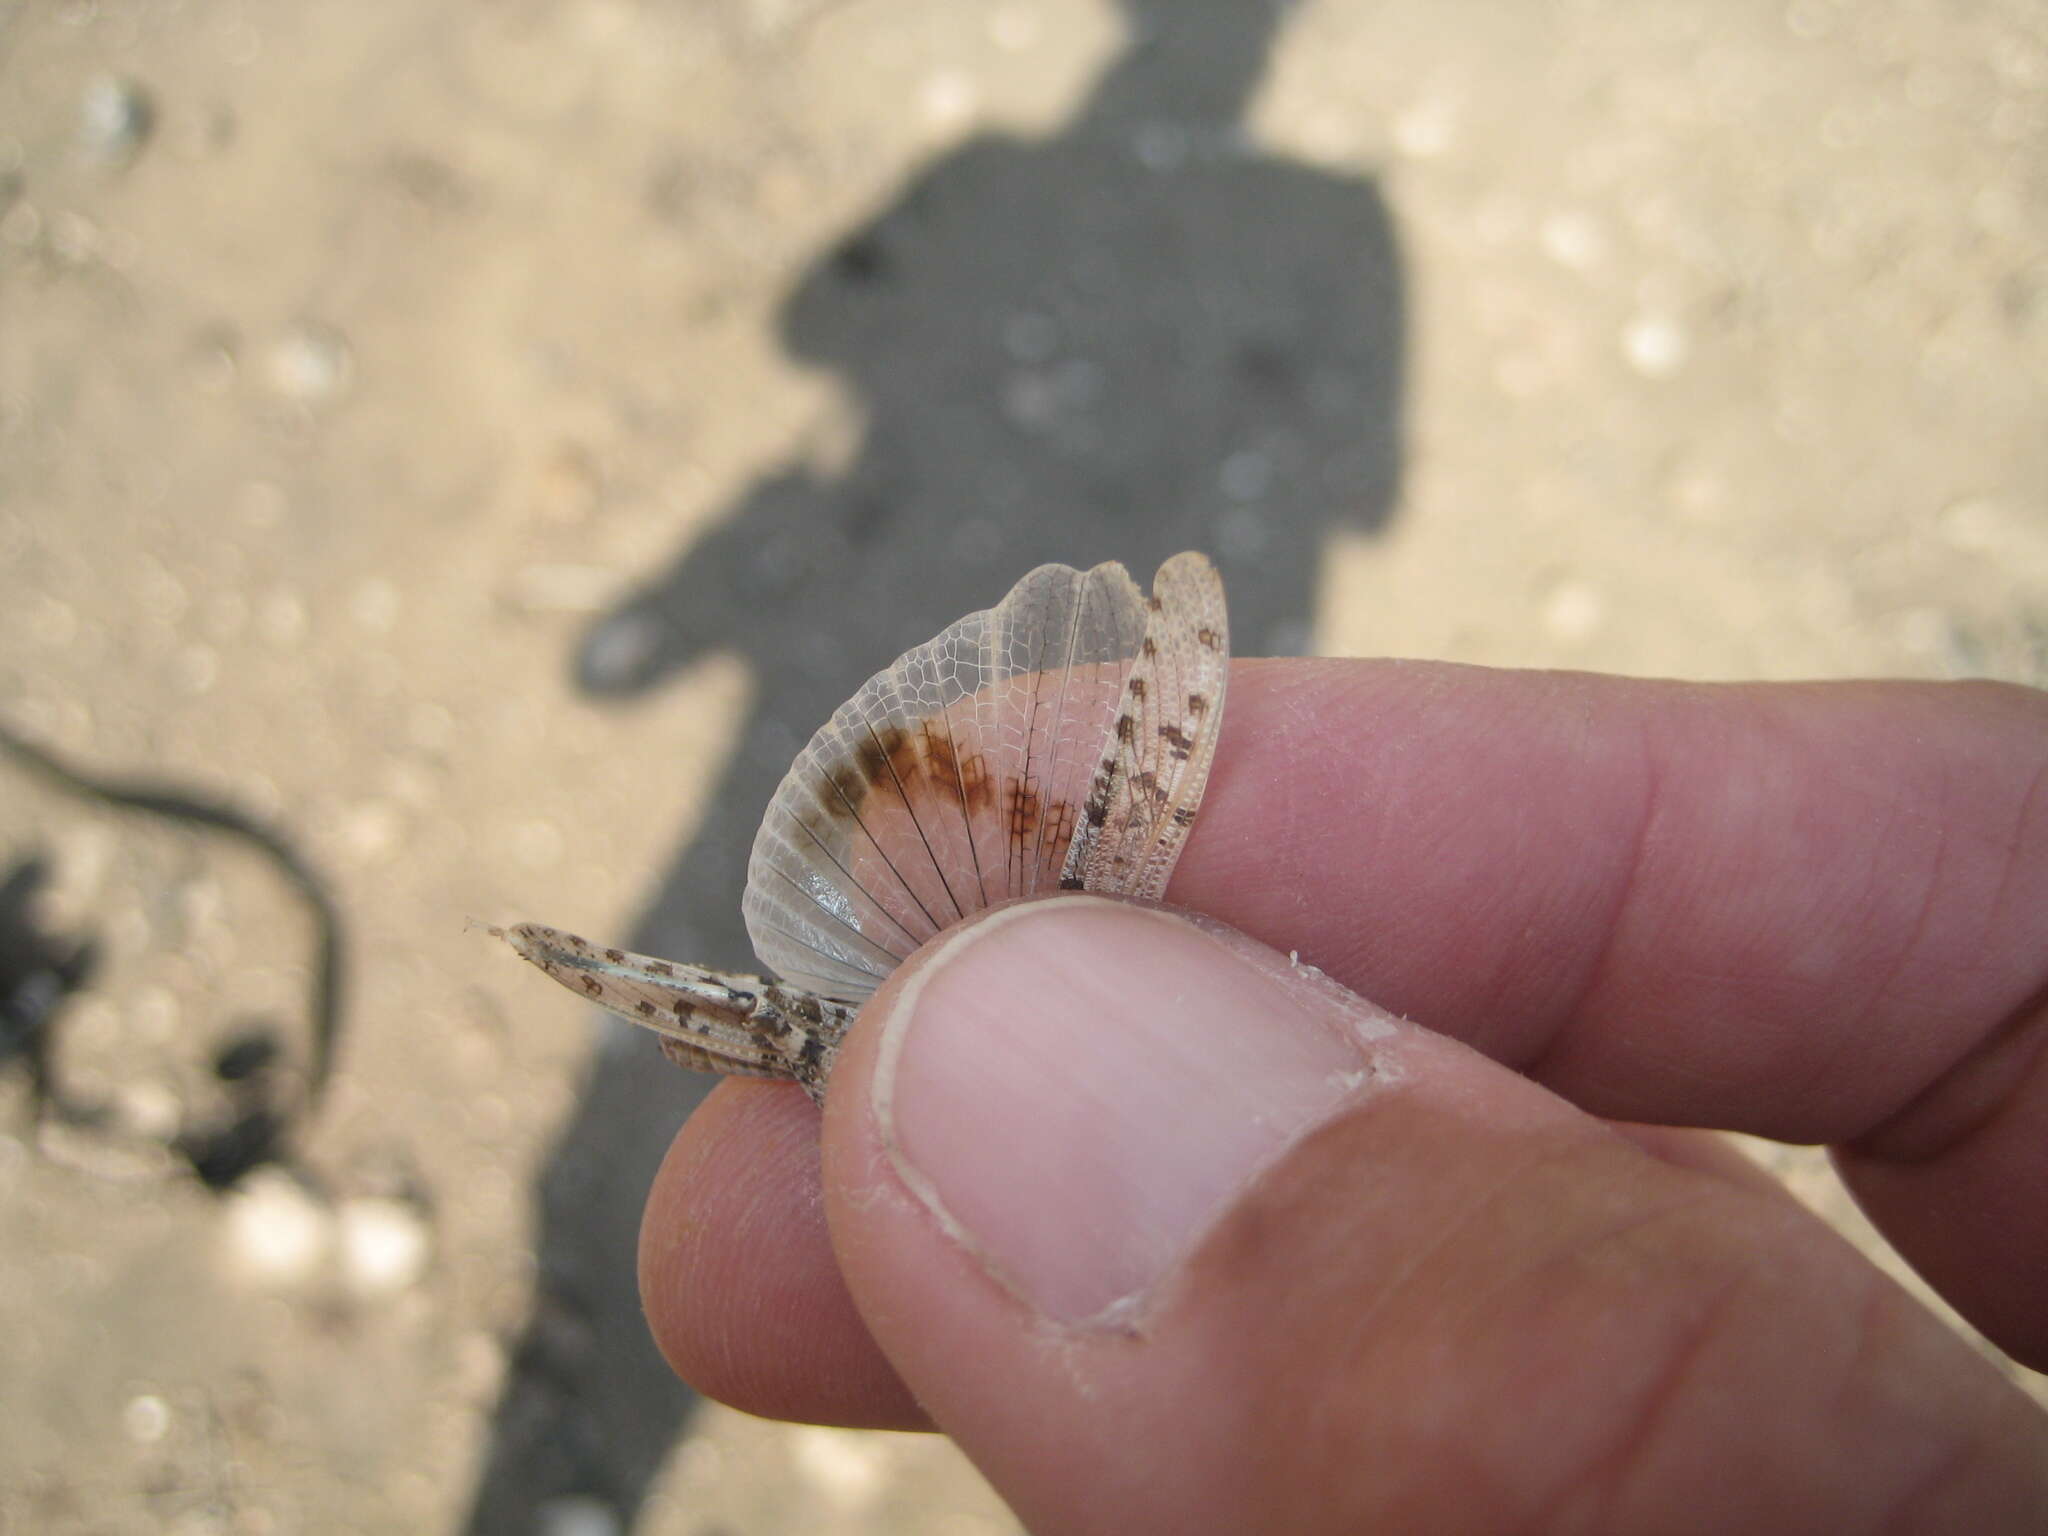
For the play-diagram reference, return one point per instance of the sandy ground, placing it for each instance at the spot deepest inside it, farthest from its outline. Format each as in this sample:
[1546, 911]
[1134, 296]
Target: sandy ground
[478, 443]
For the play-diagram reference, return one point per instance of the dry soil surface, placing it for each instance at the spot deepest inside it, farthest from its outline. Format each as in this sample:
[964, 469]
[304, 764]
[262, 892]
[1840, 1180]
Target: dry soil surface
[477, 443]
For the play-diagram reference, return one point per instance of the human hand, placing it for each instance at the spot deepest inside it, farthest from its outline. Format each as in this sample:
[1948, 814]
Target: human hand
[1172, 1236]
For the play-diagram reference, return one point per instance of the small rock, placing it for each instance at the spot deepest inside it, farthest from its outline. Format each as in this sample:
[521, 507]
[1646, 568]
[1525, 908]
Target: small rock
[276, 1232]
[146, 1418]
[115, 117]
[948, 99]
[384, 1245]
[1573, 240]
[1655, 346]
[310, 365]
[845, 1466]
[150, 1110]
[1574, 611]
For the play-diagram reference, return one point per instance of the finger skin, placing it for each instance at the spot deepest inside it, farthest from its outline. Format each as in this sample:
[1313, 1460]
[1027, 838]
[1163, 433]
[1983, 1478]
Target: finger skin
[1818, 913]
[1782, 909]
[742, 1291]
[744, 1294]
[1459, 1306]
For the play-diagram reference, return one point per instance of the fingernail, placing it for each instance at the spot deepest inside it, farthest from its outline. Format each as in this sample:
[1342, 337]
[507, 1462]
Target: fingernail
[1079, 1089]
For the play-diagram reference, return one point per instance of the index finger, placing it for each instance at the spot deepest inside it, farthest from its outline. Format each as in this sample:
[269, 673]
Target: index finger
[1814, 912]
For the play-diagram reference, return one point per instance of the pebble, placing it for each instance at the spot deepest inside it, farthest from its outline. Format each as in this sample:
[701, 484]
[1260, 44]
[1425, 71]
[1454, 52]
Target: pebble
[1574, 610]
[1573, 241]
[385, 1244]
[948, 99]
[146, 1418]
[310, 364]
[1655, 347]
[846, 1466]
[115, 117]
[276, 1232]
[150, 1110]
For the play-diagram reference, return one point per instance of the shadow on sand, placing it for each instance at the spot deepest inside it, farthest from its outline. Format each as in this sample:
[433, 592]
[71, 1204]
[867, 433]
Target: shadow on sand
[1135, 336]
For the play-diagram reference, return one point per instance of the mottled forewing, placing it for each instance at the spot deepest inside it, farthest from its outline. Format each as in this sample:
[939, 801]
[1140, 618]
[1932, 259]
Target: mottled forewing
[1154, 760]
[952, 780]
[700, 1015]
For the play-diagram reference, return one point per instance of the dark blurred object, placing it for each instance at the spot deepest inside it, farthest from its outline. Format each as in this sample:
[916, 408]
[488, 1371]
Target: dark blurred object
[249, 1065]
[264, 1099]
[37, 972]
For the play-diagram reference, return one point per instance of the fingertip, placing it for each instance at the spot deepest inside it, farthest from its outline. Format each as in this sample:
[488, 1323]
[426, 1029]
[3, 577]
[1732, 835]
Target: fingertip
[737, 1276]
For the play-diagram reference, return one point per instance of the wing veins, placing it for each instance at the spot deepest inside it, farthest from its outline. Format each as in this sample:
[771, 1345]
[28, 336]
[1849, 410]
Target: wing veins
[917, 826]
[966, 821]
[826, 850]
[887, 862]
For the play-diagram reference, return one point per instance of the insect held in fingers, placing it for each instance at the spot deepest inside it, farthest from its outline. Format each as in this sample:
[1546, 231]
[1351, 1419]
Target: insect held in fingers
[1060, 740]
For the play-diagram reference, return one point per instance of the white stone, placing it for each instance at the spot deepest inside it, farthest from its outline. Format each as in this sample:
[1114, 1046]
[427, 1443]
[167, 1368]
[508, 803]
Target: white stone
[146, 1418]
[275, 1232]
[1654, 345]
[384, 1245]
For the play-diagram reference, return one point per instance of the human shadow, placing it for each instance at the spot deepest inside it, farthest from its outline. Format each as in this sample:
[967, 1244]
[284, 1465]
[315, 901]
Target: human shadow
[1139, 335]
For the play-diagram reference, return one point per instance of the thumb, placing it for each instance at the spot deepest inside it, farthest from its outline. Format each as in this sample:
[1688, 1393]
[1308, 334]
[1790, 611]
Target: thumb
[1173, 1234]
